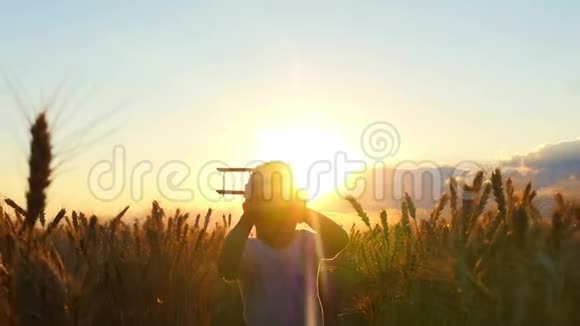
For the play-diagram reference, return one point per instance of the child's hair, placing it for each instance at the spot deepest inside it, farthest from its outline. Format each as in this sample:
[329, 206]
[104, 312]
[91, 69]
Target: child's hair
[271, 191]
[271, 182]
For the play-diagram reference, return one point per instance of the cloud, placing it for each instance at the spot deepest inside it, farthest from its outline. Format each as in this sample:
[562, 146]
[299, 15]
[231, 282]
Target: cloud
[569, 187]
[382, 188]
[548, 165]
[551, 169]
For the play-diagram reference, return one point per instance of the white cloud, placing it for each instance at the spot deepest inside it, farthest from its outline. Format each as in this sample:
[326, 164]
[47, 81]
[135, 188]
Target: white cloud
[548, 165]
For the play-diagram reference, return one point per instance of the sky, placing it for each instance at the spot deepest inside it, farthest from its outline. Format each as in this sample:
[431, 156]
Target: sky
[242, 81]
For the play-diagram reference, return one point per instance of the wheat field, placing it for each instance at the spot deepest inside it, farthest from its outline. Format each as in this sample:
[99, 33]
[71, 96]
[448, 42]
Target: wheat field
[483, 256]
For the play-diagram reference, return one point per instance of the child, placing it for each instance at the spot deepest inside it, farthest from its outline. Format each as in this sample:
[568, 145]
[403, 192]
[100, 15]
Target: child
[278, 271]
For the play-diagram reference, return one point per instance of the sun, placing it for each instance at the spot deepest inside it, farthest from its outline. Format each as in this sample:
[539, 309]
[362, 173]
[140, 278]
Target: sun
[311, 153]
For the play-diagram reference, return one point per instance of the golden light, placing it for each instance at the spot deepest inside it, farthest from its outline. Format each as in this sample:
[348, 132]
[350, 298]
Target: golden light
[309, 150]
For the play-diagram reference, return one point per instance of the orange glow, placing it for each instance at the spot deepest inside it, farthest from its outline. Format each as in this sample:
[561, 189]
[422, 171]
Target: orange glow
[310, 151]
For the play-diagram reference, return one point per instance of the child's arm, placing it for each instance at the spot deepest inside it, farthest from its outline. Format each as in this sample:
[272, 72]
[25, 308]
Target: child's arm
[233, 248]
[334, 238]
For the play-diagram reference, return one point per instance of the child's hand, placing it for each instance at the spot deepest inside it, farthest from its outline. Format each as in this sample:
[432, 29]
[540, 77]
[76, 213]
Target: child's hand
[251, 212]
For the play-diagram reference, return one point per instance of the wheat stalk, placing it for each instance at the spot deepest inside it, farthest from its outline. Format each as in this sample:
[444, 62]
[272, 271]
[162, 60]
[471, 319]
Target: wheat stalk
[478, 181]
[53, 225]
[437, 210]
[453, 201]
[39, 171]
[359, 210]
[498, 193]
[385, 225]
[17, 209]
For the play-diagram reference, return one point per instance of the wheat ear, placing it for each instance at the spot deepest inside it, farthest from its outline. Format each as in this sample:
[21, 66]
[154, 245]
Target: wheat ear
[39, 170]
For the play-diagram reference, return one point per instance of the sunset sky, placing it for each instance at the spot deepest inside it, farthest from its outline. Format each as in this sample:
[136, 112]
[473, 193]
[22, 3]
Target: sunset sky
[256, 81]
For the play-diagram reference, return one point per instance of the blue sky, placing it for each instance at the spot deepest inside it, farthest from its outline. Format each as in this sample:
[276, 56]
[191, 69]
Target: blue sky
[197, 82]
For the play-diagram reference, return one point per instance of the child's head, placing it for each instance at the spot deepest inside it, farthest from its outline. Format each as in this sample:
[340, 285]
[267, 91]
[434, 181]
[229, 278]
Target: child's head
[271, 194]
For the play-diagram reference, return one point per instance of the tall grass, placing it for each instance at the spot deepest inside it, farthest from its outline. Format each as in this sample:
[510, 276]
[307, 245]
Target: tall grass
[504, 265]
[482, 256]
[84, 270]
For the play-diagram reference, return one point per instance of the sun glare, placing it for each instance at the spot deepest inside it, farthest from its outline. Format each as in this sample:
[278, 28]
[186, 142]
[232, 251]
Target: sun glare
[310, 152]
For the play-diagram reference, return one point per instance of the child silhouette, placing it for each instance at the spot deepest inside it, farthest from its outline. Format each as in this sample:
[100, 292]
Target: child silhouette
[277, 272]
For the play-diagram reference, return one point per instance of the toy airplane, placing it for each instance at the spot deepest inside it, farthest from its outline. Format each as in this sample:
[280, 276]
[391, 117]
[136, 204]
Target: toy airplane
[224, 191]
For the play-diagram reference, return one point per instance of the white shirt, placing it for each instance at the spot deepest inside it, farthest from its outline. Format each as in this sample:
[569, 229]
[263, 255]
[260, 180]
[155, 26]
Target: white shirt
[279, 287]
